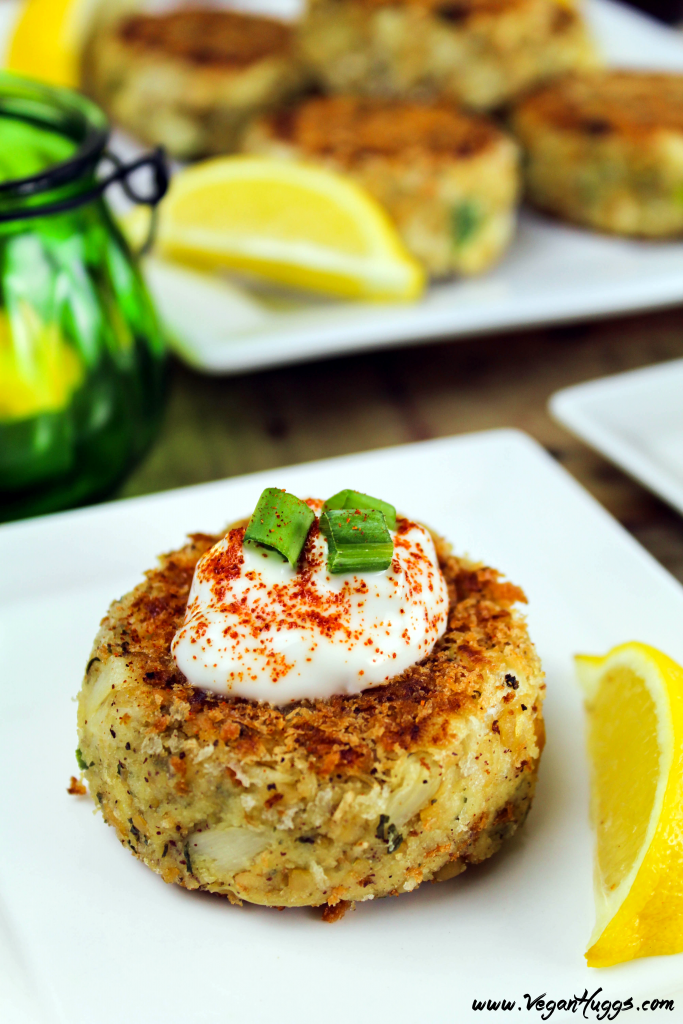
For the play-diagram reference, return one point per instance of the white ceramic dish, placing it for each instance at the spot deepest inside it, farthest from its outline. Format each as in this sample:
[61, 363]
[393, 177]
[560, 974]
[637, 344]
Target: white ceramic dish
[552, 273]
[97, 937]
[636, 420]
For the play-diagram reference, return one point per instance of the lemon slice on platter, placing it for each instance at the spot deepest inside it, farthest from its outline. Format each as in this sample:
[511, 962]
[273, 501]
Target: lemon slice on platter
[634, 704]
[297, 225]
[48, 38]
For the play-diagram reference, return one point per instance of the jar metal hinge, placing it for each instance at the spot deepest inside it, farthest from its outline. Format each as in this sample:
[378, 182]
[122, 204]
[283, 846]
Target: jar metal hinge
[156, 161]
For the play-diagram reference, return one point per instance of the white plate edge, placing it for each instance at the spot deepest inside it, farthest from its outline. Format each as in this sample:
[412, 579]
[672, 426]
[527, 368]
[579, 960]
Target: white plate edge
[571, 408]
[14, 531]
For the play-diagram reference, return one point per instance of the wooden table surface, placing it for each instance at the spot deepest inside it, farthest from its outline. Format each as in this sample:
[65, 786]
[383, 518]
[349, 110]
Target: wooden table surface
[221, 427]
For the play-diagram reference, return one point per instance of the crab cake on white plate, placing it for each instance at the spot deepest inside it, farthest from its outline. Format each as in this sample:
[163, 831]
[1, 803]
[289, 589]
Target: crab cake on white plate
[481, 53]
[448, 179]
[190, 79]
[315, 800]
[606, 150]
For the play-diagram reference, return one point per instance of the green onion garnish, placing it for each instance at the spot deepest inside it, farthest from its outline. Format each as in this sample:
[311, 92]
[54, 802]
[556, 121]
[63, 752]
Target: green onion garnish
[356, 499]
[280, 522]
[357, 540]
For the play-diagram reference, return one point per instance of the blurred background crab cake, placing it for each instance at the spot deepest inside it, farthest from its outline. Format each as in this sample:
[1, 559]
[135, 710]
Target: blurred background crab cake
[320, 800]
[479, 52]
[606, 150]
[448, 179]
[190, 79]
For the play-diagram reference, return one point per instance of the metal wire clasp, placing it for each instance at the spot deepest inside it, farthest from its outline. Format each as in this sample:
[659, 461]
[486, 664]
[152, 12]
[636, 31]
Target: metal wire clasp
[156, 161]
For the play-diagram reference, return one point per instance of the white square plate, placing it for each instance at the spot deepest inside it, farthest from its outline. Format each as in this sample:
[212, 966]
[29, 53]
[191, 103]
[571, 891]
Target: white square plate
[552, 272]
[636, 420]
[101, 940]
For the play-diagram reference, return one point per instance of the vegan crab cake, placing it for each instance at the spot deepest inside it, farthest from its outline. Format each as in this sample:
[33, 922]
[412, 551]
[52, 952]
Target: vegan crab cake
[190, 79]
[315, 801]
[606, 150]
[449, 180]
[478, 52]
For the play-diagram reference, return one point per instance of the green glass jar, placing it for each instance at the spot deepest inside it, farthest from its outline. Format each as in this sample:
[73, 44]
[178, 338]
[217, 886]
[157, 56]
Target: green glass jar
[81, 350]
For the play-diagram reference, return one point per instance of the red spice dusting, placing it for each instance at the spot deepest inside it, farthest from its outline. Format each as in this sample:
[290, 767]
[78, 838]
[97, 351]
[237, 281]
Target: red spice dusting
[224, 562]
[257, 609]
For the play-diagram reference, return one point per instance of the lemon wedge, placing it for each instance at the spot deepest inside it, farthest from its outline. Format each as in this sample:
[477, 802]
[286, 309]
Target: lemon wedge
[634, 704]
[48, 39]
[294, 224]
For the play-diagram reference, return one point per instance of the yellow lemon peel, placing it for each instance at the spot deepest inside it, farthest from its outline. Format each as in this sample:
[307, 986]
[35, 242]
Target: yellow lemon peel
[634, 704]
[48, 39]
[297, 225]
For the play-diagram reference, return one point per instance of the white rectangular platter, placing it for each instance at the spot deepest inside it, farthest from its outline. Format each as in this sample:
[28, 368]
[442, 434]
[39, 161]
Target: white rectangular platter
[552, 272]
[98, 938]
[636, 420]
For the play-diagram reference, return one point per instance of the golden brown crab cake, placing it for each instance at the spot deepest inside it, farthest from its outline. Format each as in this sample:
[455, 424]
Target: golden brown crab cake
[481, 53]
[191, 79]
[319, 801]
[449, 180]
[606, 150]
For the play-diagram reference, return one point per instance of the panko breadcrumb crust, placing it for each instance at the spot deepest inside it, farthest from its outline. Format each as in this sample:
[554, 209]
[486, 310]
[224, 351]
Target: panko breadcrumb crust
[605, 149]
[190, 79]
[447, 178]
[319, 802]
[481, 53]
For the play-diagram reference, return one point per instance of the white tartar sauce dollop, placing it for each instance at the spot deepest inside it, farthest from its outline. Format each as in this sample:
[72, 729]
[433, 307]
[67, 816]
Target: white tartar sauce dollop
[257, 628]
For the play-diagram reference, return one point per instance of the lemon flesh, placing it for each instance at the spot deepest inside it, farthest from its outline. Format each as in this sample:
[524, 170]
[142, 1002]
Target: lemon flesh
[634, 704]
[297, 225]
[47, 40]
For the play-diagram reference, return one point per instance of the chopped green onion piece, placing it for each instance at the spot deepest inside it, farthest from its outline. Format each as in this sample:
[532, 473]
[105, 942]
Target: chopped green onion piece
[357, 540]
[466, 219]
[280, 522]
[356, 499]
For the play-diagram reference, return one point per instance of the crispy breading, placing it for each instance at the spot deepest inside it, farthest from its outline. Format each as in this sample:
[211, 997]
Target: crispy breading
[448, 179]
[318, 801]
[479, 52]
[632, 104]
[351, 129]
[190, 79]
[606, 150]
[218, 38]
[394, 715]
